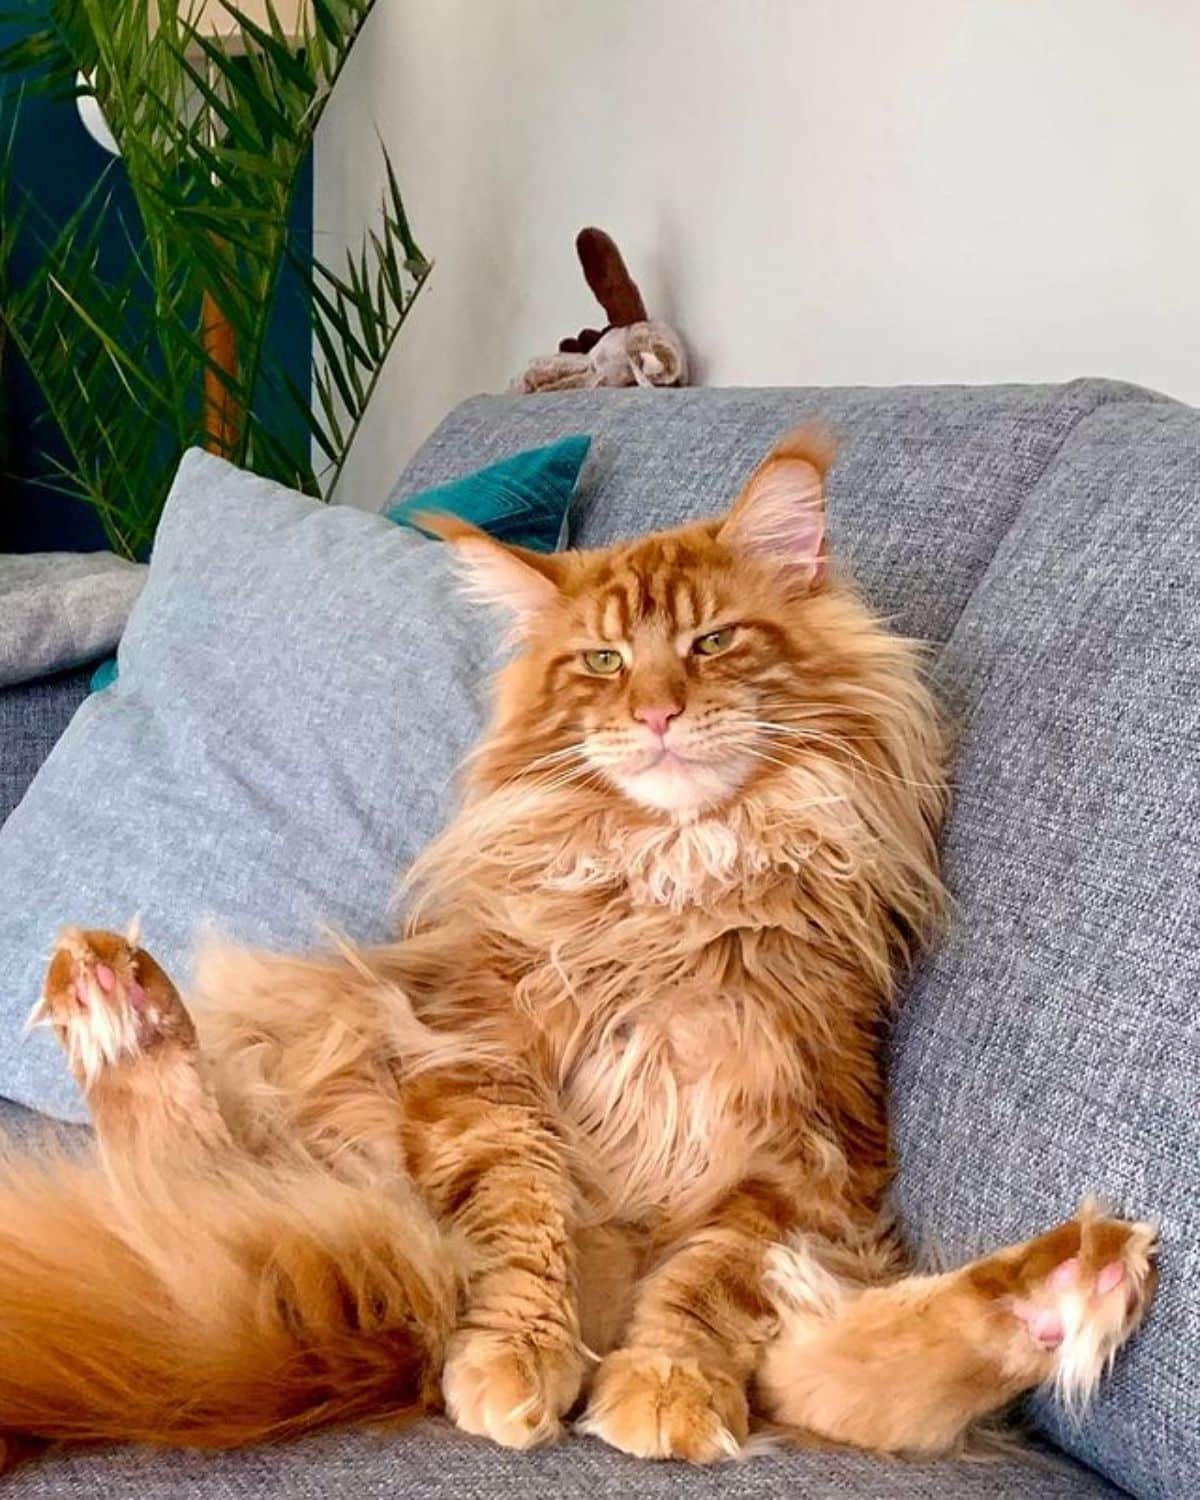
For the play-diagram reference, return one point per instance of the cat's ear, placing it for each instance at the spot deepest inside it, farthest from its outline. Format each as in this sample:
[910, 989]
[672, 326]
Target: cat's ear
[780, 513]
[515, 578]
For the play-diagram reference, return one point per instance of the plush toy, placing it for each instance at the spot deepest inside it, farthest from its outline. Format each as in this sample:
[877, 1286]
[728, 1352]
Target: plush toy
[631, 349]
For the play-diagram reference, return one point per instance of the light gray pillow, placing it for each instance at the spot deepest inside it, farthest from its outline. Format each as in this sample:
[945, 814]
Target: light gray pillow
[295, 682]
[60, 609]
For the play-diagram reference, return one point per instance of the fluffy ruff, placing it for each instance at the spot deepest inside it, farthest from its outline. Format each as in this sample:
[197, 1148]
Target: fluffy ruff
[606, 1125]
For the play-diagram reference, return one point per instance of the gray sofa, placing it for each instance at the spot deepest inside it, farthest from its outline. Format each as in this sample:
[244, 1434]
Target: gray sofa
[1046, 541]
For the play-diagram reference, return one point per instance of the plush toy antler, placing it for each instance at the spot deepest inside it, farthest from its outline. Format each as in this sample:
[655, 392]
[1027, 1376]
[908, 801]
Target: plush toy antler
[612, 286]
[631, 350]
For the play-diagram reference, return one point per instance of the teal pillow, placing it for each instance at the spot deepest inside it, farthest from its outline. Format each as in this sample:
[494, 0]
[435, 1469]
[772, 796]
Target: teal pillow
[104, 675]
[523, 500]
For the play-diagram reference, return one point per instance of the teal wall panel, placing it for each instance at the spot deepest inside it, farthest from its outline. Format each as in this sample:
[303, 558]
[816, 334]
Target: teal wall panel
[58, 161]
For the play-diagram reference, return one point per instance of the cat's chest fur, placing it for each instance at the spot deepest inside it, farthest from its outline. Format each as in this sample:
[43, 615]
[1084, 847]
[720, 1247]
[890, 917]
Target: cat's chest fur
[667, 1041]
[661, 1099]
[661, 976]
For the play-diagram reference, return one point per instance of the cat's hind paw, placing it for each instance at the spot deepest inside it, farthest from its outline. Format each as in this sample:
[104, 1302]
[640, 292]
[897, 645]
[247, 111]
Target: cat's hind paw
[108, 1002]
[1080, 1292]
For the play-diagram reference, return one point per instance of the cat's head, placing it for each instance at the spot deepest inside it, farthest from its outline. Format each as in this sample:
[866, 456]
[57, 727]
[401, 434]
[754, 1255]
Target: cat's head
[678, 670]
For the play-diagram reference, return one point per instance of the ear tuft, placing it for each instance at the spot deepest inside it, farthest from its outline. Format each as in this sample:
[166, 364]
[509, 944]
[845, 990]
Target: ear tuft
[812, 443]
[514, 578]
[780, 514]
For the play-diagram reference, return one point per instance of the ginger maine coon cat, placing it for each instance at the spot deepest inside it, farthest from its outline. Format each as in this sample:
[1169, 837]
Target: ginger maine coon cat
[604, 1132]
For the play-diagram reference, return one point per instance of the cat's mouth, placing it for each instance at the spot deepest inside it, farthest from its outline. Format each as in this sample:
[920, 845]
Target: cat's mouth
[667, 755]
[671, 781]
[687, 771]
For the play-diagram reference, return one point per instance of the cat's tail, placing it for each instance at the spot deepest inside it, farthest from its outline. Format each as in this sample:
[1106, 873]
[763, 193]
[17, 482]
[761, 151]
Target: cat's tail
[218, 1311]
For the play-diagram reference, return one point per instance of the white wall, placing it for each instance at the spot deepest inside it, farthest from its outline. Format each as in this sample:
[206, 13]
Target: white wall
[815, 191]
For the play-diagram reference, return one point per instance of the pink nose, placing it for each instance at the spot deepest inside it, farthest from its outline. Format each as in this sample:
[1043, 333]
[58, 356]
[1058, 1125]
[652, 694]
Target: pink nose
[657, 719]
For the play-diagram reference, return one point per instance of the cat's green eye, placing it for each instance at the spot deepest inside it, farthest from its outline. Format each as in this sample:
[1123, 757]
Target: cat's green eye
[714, 642]
[603, 663]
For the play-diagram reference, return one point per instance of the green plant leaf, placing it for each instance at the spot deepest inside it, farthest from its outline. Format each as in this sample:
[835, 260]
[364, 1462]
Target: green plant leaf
[357, 317]
[214, 137]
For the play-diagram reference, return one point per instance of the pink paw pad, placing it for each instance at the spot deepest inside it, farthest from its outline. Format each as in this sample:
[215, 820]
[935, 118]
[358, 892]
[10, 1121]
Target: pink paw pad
[1110, 1278]
[1047, 1328]
[106, 978]
[1044, 1325]
[1063, 1277]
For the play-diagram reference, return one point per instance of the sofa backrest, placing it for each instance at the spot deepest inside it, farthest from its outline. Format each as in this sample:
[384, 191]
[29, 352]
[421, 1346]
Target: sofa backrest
[929, 481]
[1051, 1045]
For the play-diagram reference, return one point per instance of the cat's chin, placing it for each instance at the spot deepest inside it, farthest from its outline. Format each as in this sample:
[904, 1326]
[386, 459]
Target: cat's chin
[685, 790]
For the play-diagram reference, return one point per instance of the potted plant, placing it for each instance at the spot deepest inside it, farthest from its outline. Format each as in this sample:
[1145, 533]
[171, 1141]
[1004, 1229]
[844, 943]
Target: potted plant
[213, 110]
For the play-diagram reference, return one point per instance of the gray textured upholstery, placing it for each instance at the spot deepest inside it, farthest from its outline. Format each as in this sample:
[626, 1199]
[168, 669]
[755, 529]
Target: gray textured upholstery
[930, 477]
[26, 1130]
[32, 716]
[62, 609]
[432, 1462]
[1052, 1045]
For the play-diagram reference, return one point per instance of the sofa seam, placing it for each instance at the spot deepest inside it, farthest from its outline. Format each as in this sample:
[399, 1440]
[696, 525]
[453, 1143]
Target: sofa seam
[1143, 398]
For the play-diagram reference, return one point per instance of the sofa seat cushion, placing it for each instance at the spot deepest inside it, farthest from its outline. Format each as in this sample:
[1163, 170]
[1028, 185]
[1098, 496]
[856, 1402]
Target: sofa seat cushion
[431, 1461]
[1051, 1046]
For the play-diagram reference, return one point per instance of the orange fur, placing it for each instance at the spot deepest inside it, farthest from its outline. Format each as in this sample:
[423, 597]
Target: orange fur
[625, 1051]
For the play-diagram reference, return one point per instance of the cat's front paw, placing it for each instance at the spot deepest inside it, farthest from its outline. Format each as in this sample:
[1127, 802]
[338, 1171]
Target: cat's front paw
[657, 1405]
[506, 1387]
